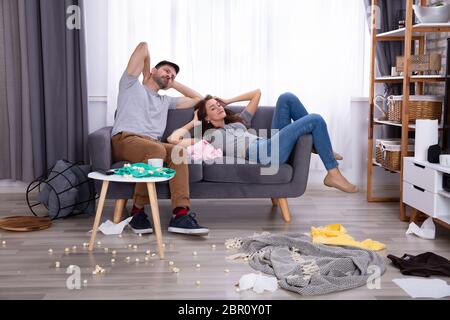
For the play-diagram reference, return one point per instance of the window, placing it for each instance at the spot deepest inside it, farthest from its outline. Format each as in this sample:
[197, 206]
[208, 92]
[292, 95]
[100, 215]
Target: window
[226, 47]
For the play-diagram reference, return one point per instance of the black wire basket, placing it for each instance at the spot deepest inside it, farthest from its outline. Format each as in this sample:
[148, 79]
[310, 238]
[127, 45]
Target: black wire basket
[65, 191]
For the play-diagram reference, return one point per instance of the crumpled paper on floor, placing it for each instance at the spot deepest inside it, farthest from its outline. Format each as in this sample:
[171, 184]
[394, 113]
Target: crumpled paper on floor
[108, 227]
[258, 283]
[424, 288]
[426, 231]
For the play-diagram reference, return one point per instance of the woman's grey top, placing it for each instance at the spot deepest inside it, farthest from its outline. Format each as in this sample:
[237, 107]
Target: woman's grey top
[233, 137]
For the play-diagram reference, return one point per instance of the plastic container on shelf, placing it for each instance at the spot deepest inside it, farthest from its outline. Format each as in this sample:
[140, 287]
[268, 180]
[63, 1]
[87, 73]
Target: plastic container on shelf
[433, 14]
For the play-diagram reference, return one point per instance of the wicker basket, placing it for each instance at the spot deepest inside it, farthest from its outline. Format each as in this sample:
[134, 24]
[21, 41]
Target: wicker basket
[422, 62]
[379, 148]
[420, 107]
[388, 153]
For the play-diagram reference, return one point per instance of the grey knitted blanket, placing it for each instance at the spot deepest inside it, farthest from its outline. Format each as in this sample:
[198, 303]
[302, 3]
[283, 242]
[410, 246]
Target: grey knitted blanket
[310, 269]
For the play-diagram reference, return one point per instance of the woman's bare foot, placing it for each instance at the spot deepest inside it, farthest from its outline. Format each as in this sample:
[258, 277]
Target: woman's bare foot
[337, 156]
[335, 179]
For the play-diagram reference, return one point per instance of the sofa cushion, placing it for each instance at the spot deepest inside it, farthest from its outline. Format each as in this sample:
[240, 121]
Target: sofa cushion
[86, 192]
[59, 193]
[176, 119]
[223, 170]
[195, 170]
[263, 118]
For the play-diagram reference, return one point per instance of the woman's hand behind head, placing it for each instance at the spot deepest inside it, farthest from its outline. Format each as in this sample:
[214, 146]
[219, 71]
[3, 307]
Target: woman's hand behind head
[223, 102]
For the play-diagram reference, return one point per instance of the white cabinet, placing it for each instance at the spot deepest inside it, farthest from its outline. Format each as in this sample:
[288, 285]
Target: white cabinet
[419, 174]
[422, 188]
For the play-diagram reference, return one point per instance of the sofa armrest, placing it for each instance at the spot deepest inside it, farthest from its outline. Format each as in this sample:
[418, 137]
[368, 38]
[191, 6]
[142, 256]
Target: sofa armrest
[99, 146]
[300, 160]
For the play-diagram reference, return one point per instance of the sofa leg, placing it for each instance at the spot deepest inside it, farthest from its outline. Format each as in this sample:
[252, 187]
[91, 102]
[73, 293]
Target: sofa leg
[285, 209]
[118, 210]
[274, 201]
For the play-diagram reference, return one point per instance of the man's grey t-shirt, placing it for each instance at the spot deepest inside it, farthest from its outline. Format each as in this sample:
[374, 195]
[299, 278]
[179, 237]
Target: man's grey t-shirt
[141, 110]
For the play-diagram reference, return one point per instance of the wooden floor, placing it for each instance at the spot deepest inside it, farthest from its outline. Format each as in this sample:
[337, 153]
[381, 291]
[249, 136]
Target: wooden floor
[27, 270]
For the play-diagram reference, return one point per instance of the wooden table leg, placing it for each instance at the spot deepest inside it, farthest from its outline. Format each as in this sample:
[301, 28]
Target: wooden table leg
[118, 210]
[98, 214]
[155, 215]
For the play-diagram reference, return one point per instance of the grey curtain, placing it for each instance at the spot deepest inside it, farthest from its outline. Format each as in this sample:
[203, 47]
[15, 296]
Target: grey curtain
[15, 120]
[43, 88]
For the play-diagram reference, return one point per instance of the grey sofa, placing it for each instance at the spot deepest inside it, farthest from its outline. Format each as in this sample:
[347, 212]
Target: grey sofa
[215, 181]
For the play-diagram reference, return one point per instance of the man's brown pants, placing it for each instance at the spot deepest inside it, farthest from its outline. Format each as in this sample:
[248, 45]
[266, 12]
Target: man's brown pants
[135, 148]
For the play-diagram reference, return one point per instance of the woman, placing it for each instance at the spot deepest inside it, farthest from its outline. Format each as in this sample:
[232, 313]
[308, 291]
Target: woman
[290, 118]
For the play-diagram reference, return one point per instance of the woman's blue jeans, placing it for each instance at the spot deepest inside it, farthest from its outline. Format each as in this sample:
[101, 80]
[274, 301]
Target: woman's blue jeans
[290, 108]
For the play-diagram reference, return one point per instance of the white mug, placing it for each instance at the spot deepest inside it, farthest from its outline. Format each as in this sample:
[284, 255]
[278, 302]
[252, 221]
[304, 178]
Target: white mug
[444, 160]
[394, 72]
[157, 163]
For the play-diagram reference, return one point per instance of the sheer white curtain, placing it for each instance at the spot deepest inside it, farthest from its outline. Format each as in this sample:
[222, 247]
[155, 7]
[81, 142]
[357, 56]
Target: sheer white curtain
[314, 49]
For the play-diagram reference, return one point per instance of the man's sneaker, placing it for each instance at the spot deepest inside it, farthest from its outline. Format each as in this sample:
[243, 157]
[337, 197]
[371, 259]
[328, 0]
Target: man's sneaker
[187, 224]
[140, 223]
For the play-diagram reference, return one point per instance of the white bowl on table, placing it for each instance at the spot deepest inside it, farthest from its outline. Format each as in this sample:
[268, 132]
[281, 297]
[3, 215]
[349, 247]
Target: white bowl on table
[439, 14]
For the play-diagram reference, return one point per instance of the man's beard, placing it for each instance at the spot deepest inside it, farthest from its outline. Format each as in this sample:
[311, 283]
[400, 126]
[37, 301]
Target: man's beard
[161, 83]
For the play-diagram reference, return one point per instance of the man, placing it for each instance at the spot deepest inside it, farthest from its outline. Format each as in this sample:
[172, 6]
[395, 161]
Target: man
[136, 136]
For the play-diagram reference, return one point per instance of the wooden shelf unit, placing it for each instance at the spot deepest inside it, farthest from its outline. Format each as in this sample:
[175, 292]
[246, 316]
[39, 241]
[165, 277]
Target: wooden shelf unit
[413, 79]
[408, 35]
[417, 31]
[411, 127]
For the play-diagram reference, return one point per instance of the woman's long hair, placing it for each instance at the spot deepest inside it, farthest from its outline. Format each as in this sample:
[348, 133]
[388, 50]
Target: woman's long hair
[230, 117]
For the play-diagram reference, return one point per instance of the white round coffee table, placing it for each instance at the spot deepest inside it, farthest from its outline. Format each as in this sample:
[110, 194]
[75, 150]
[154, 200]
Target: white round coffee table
[151, 193]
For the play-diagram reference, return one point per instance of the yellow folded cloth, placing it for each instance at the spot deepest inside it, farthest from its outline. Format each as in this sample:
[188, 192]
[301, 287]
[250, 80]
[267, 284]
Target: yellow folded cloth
[336, 235]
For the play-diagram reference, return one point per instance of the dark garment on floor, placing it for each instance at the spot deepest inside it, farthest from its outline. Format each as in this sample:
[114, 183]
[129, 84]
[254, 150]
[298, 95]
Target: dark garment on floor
[422, 265]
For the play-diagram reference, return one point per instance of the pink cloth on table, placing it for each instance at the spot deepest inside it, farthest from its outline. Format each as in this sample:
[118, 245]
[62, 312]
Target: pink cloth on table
[203, 150]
